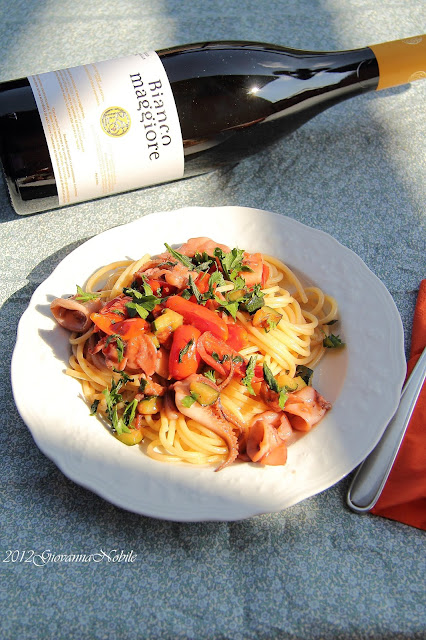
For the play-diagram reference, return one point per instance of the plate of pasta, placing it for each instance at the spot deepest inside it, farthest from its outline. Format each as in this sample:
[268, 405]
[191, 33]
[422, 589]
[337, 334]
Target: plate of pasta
[235, 367]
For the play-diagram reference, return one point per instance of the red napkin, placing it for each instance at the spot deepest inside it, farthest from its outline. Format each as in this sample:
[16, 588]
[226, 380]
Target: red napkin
[404, 495]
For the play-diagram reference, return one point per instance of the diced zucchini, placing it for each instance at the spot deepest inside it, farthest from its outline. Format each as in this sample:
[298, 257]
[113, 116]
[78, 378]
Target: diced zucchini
[154, 340]
[134, 436]
[267, 318]
[235, 296]
[292, 384]
[203, 393]
[169, 320]
[150, 405]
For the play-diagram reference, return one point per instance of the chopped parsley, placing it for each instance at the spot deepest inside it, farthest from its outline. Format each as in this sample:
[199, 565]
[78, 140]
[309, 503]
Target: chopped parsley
[85, 296]
[305, 373]
[187, 262]
[188, 401]
[229, 307]
[272, 383]
[129, 412]
[210, 374]
[113, 398]
[185, 349]
[195, 290]
[270, 379]
[217, 279]
[248, 378]
[142, 303]
[142, 385]
[124, 378]
[332, 342]
[232, 263]
[119, 343]
[202, 261]
[94, 407]
[253, 300]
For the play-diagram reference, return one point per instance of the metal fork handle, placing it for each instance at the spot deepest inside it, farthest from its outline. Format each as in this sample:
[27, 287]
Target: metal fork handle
[372, 474]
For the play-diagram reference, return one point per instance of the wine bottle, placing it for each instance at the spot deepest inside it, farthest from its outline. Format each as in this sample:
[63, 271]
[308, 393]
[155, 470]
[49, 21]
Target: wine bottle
[91, 131]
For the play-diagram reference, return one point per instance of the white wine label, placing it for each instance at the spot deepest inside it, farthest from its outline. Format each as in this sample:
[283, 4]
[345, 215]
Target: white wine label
[110, 126]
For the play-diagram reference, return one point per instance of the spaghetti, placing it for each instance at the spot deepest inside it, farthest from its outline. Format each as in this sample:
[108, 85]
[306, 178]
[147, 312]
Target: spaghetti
[204, 353]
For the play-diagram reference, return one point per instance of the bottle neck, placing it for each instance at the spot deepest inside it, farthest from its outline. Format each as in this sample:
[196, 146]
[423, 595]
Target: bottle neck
[320, 80]
[400, 61]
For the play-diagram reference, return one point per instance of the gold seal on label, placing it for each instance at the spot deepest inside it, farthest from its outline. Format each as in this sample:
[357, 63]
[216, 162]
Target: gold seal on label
[418, 75]
[413, 40]
[115, 121]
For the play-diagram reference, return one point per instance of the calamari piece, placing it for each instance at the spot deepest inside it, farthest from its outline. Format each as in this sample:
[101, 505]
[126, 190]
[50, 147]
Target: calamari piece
[74, 315]
[208, 416]
[265, 441]
[305, 408]
[255, 262]
[141, 354]
[176, 275]
[201, 245]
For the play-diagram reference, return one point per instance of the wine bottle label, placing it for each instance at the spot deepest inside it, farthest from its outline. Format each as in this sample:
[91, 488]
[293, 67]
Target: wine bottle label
[110, 126]
[400, 61]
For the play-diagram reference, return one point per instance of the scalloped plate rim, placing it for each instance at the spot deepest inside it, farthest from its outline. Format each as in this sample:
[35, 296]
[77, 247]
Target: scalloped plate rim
[210, 510]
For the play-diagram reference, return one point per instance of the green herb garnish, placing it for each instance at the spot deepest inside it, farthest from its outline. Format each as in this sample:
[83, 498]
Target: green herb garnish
[195, 290]
[248, 378]
[141, 304]
[118, 343]
[188, 401]
[142, 385]
[305, 373]
[232, 262]
[272, 383]
[129, 412]
[113, 398]
[254, 300]
[187, 262]
[217, 279]
[85, 296]
[333, 342]
[202, 261]
[185, 349]
[94, 407]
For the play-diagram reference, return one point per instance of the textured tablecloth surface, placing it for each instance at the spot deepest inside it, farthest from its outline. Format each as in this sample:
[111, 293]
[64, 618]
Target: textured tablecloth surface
[357, 171]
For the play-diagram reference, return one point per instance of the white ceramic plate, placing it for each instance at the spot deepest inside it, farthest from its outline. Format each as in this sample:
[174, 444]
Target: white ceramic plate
[363, 381]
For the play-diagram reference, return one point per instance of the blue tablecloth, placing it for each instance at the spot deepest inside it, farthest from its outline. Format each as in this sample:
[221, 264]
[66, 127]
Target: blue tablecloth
[357, 171]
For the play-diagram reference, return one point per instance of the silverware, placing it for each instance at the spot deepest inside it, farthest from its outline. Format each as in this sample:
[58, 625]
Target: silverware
[372, 474]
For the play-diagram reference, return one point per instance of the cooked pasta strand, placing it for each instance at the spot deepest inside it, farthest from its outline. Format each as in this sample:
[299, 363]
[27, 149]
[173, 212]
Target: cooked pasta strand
[297, 339]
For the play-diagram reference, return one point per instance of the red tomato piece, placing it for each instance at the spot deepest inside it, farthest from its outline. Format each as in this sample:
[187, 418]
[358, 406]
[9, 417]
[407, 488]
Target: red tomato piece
[237, 337]
[218, 355]
[255, 262]
[198, 316]
[130, 328]
[202, 282]
[103, 322]
[265, 274]
[159, 288]
[184, 358]
[126, 329]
